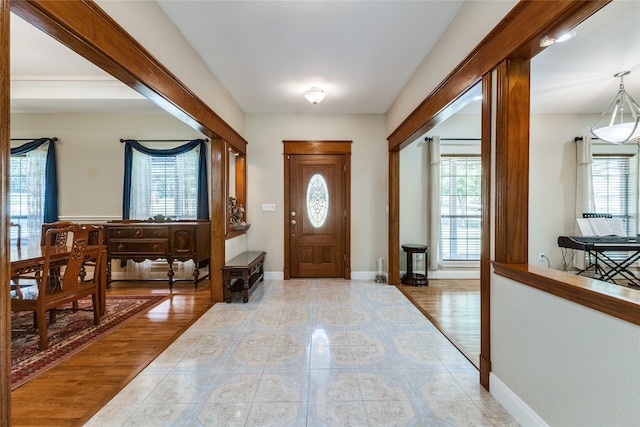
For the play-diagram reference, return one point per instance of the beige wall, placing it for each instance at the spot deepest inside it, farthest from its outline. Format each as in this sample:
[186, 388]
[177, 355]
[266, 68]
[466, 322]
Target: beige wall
[368, 181]
[552, 185]
[148, 24]
[571, 365]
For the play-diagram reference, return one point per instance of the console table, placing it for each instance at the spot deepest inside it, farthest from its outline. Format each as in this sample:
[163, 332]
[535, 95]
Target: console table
[174, 241]
[246, 269]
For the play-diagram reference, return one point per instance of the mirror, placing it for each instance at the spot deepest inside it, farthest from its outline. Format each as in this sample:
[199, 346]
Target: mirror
[236, 192]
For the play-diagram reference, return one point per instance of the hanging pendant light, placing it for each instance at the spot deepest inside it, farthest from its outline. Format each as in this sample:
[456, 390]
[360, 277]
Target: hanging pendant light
[620, 121]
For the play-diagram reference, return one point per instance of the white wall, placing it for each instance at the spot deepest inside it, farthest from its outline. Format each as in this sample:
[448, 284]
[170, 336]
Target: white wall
[90, 156]
[571, 365]
[369, 177]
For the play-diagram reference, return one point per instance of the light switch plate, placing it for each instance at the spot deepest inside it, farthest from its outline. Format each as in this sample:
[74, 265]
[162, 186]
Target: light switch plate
[268, 207]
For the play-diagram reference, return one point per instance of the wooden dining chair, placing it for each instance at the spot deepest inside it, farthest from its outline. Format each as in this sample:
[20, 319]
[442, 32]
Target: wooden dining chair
[31, 279]
[69, 287]
[19, 233]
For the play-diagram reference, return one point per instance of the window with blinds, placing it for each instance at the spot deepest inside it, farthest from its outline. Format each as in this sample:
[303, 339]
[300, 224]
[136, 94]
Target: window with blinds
[461, 205]
[18, 194]
[614, 189]
[173, 188]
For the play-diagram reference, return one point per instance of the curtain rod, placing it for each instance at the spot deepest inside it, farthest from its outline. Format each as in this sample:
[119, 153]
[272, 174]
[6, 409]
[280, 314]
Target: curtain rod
[164, 140]
[430, 138]
[54, 139]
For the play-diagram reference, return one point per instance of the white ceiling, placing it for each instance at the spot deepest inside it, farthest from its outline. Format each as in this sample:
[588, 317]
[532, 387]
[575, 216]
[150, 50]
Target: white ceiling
[266, 53]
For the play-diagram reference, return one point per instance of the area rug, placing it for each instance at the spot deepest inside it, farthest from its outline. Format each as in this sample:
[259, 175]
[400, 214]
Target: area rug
[71, 332]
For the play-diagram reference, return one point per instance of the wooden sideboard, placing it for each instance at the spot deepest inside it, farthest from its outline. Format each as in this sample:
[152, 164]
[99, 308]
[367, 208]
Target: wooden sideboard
[173, 241]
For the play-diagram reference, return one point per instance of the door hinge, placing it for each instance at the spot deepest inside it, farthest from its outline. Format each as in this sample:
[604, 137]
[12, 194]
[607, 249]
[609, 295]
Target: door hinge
[345, 167]
[345, 214]
[345, 257]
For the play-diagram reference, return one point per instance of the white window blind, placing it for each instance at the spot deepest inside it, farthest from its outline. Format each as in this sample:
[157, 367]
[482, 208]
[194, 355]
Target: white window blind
[164, 186]
[26, 193]
[614, 189]
[461, 207]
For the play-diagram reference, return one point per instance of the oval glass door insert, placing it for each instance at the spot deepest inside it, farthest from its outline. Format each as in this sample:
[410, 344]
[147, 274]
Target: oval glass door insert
[317, 200]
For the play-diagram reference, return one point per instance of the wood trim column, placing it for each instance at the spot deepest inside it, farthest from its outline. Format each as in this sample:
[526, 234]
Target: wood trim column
[485, 253]
[512, 162]
[219, 154]
[394, 217]
[5, 297]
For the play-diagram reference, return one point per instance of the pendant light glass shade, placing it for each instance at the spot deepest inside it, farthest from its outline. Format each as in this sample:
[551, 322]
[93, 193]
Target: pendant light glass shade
[620, 122]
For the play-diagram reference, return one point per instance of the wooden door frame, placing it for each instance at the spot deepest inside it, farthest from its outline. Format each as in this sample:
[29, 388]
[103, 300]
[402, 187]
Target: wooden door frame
[317, 147]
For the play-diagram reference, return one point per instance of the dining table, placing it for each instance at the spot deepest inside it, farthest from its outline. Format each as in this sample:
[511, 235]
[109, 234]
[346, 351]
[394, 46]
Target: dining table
[29, 260]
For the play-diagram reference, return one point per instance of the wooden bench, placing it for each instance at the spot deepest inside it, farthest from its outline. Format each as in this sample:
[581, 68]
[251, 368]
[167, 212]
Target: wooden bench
[241, 273]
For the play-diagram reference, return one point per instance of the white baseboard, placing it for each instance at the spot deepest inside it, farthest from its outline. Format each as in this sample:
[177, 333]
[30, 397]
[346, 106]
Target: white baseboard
[273, 275]
[518, 409]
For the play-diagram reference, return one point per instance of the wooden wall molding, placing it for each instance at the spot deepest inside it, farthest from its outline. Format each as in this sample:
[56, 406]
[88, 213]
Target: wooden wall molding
[512, 161]
[5, 277]
[614, 300]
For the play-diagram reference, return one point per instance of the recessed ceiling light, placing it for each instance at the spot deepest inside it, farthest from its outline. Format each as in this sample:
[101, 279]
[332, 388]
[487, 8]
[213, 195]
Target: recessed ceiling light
[565, 36]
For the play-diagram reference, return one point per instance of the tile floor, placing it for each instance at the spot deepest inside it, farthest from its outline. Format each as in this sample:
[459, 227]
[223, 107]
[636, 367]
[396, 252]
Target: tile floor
[308, 353]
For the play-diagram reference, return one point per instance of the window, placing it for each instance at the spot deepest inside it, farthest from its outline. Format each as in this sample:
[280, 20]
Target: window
[26, 193]
[460, 207]
[165, 186]
[614, 191]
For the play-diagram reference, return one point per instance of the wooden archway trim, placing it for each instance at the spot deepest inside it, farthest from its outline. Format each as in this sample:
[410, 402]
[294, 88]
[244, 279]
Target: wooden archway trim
[85, 28]
[512, 43]
[516, 36]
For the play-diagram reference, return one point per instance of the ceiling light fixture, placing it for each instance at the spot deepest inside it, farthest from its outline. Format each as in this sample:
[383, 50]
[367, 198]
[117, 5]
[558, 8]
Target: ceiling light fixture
[547, 40]
[314, 95]
[619, 122]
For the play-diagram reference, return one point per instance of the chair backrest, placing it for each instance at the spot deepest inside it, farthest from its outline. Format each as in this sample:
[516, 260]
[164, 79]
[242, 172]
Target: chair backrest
[61, 238]
[19, 237]
[71, 276]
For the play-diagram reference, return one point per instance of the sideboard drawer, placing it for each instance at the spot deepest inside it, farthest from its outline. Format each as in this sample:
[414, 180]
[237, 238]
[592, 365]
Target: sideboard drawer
[138, 246]
[136, 232]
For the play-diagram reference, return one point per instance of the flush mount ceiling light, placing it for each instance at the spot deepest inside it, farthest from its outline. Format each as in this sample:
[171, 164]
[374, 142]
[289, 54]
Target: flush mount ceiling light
[314, 95]
[619, 122]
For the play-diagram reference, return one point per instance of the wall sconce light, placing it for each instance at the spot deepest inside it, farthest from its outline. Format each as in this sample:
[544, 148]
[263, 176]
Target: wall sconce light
[619, 122]
[314, 95]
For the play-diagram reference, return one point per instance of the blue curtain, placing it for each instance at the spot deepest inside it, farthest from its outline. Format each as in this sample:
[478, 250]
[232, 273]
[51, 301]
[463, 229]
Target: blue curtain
[51, 174]
[203, 193]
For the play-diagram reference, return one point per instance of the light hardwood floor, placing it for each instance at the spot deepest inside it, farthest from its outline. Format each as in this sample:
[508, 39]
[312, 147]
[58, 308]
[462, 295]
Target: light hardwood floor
[72, 391]
[453, 306]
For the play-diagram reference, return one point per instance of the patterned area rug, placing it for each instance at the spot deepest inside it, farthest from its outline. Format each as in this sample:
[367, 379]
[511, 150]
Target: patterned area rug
[71, 332]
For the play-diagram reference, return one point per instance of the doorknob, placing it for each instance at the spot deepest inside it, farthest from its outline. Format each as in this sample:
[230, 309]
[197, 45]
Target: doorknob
[293, 221]
[293, 214]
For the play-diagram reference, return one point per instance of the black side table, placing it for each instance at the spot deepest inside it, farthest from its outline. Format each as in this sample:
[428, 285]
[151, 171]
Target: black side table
[411, 278]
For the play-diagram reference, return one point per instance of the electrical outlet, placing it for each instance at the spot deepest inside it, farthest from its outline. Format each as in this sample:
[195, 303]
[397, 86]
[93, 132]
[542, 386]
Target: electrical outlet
[541, 256]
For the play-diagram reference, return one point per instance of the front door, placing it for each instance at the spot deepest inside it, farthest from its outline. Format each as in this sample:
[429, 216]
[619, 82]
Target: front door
[317, 215]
